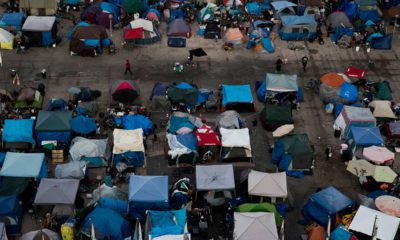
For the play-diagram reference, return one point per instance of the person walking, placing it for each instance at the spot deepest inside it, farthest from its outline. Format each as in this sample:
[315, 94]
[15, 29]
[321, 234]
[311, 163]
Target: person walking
[127, 67]
[278, 64]
[304, 61]
[328, 152]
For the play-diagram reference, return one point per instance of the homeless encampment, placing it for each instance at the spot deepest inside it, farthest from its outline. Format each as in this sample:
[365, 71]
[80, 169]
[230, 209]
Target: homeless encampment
[88, 40]
[18, 134]
[53, 125]
[95, 152]
[293, 152]
[298, 28]
[353, 116]
[147, 193]
[128, 147]
[279, 87]
[141, 32]
[274, 116]
[238, 98]
[41, 31]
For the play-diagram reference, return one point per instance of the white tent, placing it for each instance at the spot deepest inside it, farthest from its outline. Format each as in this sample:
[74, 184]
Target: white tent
[215, 177]
[142, 23]
[382, 109]
[255, 225]
[128, 140]
[366, 218]
[235, 137]
[267, 184]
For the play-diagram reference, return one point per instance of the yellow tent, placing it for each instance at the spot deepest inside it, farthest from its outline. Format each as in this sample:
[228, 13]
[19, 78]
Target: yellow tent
[6, 39]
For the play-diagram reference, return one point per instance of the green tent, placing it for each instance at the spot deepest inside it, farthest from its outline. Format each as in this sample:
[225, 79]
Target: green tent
[277, 115]
[53, 121]
[298, 145]
[260, 207]
[133, 6]
[384, 92]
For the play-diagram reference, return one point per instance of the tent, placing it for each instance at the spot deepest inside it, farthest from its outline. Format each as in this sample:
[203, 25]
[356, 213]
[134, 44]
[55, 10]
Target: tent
[365, 136]
[107, 224]
[267, 184]
[230, 120]
[281, 87]
[141, 32]
[56, 104]
[179, 27]
[161, 223]
[260, 207]
[125, 91]
[100, 14]
[355, 72]
[233, 36]
[293, 152]
[93, 151]
[40, 234]
[183, 93]
[6, 40]
[237, 97]
[378, 155]
[159, 89]
[133, 6]
[283, 8]
[338, 19]
[253, 225]
[274, 116]
[392, 129]
[235, 145]
[53, 125]
[56, 191]
[87, 39]
[324, 204]
[20, 130]
[41, 31]
[369, 221]
[383, 91]
[180, 123]
[83, 125]
[128, 147]
[353, 116]
[34, 165]
[382, 110]
[12, 213]
[12, 21]
[330, 91]
[182, 149]
[147, 193]
[71, 170]
[215, 177]
[298, 28]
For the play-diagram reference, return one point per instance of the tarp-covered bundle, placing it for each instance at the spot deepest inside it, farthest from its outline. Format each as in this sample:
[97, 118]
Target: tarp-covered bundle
[12, 21]
[162, 223]
[382, 110]
[147, 193]
[128, 147]
[334, 88]
[237, 97]
[365, 136]
[93, 151]
[6, 40]
[141, 32]
[41, 31]
[281, 87]
[28, 165]
[12, 213]
[136, 121]
[71, 170]
[182, 148]
[253, 225]
[230, 120]
[353, 116]
[274, 116]
[88, 39]
[293, 152]
[56, 191]
[298, 28]
[183, 93]
[15, 131]
[233, 36]
[53, 125]
[324, 205]
[215, 177]
[125, 91]
[267, 184]
[179, 27]
[235, 145]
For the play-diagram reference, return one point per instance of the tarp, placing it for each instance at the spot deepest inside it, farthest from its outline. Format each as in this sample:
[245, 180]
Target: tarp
[128, 140]
[71, 170]
[39, 24]
[277, 115]
[338, 19]
[236, 94]
[179, 27]
[215, 177]
[298, 20]
[332, 79]
[230, 120]
[142, 23]
[382, 109]
[252, 225]
[366, 136]
[366, 219]
[235, 137]
[18, 131]
[53, 121]
[280, 5]
[32, 165]
[83, 125]
[281, 82]
[14, 19]
[183, 93]
[355, 72]
[56, 191]
[267, 184]
[383, 91]
[206, 136]
[107, 224]
[137, 121]
[331, 199]
[82, 148]
[166, 222]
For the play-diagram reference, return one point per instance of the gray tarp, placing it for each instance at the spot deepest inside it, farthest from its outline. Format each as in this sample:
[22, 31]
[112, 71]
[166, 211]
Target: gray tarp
[108, 192]
[56, 191]
[229, 120]
[83, 147]
[71, 170]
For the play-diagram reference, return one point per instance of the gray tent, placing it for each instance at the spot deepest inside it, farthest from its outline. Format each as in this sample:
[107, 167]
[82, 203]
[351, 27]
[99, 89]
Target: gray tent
[179, 27]
[215, 177]
[56, 191]
[338, 19]
[94, 151]
[229, 119]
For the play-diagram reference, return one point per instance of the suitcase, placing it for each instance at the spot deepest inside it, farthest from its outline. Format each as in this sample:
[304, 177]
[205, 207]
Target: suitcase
[177, 42]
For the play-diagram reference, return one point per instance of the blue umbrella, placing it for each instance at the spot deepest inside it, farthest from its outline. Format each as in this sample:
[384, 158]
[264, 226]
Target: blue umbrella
[83, 125]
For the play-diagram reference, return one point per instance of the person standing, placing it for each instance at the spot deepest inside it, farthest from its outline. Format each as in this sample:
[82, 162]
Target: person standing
[304, 61]
[328, 152]
[278, 64]
[127, 67]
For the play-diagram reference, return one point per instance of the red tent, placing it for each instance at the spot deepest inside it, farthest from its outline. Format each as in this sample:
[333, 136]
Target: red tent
[355, 72]
[136, 33]
[207, 137]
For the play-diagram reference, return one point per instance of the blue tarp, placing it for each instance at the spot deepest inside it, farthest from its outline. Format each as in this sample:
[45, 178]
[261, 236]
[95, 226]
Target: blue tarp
[167, 222]
[236, 94]
[331, 199]
[340, 233]
[63, 137]
[349, 8]
[189, 140]
[47, 39]
[56, 104]
[131, 122]
[267, 44]
[10, 207]
[384, 42]
[13, 19]
[340, 31]
[133, 159]
[83, 125]
[18, 131]
[256, 8]
[366, 136]
[176, 123]
[280, 5]
[117, 205]
[72, 2]
[107, 224]
[111, 8]
[92, 42]
[147, 193]
[349, 92]
[372, 15]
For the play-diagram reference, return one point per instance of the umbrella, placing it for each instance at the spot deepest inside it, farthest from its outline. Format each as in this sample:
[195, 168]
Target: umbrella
[384, 174]
[124, 91]
[361, 168]
[389, 205]
[283, 130]
[378, 154]
[43, 234]
[74, 90]
[198, 52]
[83, 125]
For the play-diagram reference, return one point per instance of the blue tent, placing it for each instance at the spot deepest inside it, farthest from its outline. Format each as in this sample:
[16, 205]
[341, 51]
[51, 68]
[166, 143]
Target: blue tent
[56, 104]
[349, 8]
[369, 15]
[18, 131]
[24, 165]
[80, 24]
[236, 94]
[325, 203]
[147, 193]
[53, 125]
[167, 222]
[298, 27]
[366, 136]
[12, 209]
[132, 159]
[83, 125]
[131, 122]
[14, 19]
[341, 31]
[349, 92]
[107, 224]
[384, 42]
[159, 89]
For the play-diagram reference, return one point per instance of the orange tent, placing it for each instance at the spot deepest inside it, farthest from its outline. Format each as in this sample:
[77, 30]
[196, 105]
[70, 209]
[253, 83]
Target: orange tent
[233, 34]
[332, 79]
